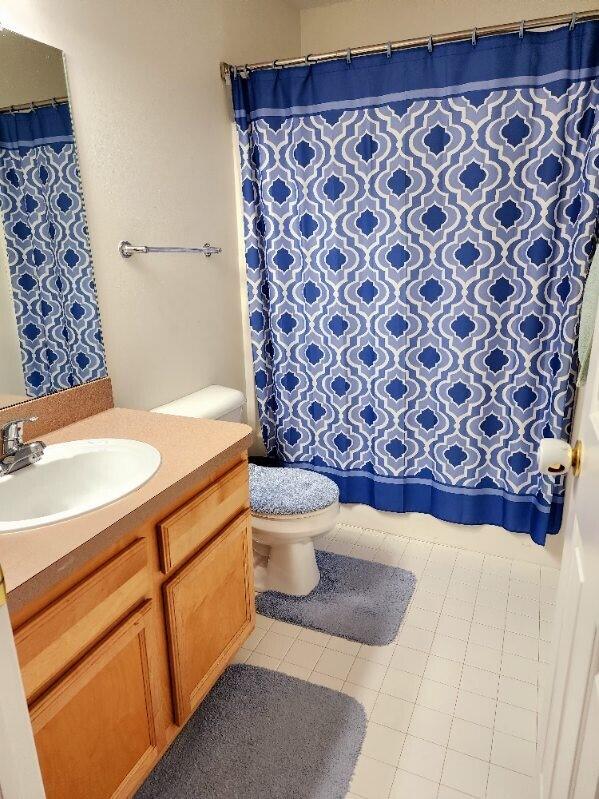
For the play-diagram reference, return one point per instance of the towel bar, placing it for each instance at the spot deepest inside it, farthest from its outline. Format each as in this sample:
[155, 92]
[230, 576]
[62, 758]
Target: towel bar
[126, 249]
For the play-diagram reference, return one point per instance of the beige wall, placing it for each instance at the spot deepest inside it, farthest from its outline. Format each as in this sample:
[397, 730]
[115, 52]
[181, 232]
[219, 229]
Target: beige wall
[355, 22]
[153, 125]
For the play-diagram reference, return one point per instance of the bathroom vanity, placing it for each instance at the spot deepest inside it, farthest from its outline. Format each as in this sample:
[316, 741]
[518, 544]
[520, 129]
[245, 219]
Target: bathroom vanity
[124, 618]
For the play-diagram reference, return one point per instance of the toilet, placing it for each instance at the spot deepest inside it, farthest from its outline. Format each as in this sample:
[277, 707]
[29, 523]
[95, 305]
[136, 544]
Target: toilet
[290, 507]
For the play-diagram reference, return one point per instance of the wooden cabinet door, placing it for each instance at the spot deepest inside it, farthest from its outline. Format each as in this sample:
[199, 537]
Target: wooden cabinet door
[94, 730]
[210, 611]
[195, 523]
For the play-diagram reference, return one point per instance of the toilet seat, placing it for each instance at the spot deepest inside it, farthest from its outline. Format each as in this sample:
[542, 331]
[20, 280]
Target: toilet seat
[289, 491]
[290, 528]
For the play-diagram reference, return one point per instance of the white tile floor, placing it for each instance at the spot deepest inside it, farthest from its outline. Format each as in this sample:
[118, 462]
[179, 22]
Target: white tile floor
[452, 702]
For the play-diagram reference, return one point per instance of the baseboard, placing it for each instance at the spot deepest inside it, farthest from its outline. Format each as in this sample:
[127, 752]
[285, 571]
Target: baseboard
[484, 538]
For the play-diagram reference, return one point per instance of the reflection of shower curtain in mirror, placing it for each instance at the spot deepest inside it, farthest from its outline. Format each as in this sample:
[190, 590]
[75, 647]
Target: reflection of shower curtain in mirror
[48, 251]
[418, 231]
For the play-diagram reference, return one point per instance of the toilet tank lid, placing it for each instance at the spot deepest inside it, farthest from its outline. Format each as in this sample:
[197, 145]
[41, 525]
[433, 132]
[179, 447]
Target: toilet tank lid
[211, 402]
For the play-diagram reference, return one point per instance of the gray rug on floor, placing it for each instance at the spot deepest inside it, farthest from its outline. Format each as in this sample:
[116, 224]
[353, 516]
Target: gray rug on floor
[355, 599]
[260, 734]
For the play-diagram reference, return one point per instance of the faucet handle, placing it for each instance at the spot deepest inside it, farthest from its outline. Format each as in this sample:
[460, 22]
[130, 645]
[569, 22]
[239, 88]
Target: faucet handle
[12, 433]
[19, 423]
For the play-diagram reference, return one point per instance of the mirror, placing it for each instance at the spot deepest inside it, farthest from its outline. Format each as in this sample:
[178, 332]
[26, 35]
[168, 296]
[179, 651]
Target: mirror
[50, 333]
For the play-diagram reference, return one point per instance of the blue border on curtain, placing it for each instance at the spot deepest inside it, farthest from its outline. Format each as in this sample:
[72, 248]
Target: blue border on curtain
[506, 61]
[26, 129]
[456, 504]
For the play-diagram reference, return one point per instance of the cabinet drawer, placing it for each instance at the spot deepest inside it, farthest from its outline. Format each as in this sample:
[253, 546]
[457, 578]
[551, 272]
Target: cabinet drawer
[58, 635]
[188, 528]
[95, 730]
[209, 606]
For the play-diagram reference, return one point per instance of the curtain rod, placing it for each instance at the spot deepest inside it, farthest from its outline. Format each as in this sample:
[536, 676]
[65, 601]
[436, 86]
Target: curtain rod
[33, 104]
[420, 41]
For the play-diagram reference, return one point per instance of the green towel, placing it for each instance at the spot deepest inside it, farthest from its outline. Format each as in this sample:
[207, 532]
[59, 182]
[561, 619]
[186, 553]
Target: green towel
[587, 319]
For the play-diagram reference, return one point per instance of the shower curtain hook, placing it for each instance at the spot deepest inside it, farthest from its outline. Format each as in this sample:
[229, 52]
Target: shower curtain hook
[430, 44]
[521, 31]
[234, 72]
[388, 49]
[474, 37]
[348, 56]
[573, 20]
[247, 71]
[307, 59]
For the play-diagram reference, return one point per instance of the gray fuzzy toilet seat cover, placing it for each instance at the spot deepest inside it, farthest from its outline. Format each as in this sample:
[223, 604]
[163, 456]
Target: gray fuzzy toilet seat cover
[285, 491]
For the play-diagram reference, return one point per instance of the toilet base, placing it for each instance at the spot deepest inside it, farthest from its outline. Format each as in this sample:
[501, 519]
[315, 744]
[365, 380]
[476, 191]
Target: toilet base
[284, 554]
[290, 569]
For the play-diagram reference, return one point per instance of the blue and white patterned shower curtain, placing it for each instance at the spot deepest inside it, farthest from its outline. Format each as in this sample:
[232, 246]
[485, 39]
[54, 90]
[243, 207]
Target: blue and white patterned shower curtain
[49, 258]
[418, 231]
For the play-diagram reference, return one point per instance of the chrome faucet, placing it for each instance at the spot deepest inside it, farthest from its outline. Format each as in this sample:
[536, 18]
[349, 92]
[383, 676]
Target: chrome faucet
[15, 453]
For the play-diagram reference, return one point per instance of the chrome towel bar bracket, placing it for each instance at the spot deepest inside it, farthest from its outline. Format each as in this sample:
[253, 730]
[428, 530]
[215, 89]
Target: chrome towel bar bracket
[126, 249]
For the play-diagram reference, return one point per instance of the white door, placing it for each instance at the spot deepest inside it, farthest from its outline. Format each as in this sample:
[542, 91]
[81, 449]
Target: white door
[20, 776]
[569, 754]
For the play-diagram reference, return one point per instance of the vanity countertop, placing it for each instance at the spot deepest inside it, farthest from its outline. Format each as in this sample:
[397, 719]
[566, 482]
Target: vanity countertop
[34, 560]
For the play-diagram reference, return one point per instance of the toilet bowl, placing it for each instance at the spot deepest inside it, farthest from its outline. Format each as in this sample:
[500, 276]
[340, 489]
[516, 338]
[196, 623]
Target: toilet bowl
[290, 508]
[284, 554]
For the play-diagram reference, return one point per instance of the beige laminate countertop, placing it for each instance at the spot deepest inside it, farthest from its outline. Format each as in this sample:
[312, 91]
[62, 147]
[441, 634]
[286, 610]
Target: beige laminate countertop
[35, 560]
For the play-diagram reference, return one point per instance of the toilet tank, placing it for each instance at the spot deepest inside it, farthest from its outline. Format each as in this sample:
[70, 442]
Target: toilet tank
[212, 402]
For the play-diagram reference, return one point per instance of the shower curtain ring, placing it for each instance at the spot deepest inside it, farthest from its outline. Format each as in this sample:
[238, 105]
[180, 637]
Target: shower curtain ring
[307, 59]
[388, 49]
[430, 44]
[573, 20]
[521, 31]
[474, 37]
[348, 55]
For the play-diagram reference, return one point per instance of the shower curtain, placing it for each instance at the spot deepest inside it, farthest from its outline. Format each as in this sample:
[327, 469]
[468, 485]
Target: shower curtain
[418, 231]
[49, 259]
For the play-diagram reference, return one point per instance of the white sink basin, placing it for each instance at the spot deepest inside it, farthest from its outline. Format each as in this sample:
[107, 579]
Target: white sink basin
[74, 478]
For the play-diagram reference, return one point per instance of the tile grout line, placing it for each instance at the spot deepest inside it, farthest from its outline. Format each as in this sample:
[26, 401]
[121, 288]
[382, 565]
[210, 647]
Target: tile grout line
[387, 667]
[428, 654]
[499, 676]
[461, 674]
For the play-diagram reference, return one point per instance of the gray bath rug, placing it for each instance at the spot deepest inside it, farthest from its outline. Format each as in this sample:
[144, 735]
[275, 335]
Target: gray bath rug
[355, 599]
[260, 734]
